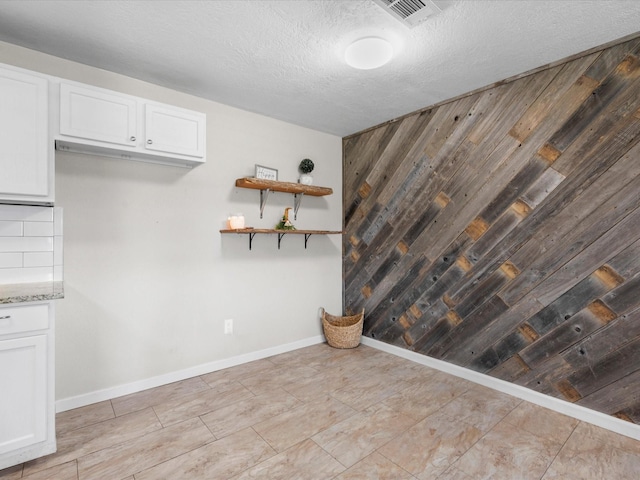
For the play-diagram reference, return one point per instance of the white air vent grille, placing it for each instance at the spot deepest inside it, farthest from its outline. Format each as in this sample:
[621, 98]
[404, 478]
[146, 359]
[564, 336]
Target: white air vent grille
[409, 12]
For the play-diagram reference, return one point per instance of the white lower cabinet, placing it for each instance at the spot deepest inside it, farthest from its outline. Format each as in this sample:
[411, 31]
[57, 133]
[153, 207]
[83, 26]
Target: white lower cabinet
[27, 404]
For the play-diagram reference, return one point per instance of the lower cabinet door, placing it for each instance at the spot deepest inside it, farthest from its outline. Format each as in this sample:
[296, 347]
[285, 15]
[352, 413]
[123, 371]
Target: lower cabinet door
[23, 387]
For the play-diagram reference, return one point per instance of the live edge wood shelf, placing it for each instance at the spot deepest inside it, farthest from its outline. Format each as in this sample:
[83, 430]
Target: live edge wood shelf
[297, 189]
[281, 233]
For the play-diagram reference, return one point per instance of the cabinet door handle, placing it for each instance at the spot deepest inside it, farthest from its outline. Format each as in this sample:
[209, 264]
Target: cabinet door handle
[6, 317]
[133, 139]
[149, 141]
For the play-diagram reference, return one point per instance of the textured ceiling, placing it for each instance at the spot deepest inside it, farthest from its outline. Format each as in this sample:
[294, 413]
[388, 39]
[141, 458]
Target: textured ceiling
[284, 58]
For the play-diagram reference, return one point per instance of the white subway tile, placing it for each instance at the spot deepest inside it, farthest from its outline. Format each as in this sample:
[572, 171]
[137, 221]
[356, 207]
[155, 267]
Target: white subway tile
[28, 248]
[38, 259]
[26, 212]
[38, 229]
[58, 273]
[9, 228]
[25, 275]
[57, 220]
[10, 260]
[26, 244]
[58, 250]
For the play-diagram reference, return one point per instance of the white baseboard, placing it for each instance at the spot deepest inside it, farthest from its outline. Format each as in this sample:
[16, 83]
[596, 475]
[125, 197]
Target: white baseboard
[117, 391]
[570, 409]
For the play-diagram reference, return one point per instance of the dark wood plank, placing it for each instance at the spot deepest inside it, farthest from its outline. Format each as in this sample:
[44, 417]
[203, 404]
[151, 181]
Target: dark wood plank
[474, 323]
[592, 349]
[544, 105]
[560, 338]
[625, 297]
[618, 364]
[595, 254]
[467, 349]
[614, 84]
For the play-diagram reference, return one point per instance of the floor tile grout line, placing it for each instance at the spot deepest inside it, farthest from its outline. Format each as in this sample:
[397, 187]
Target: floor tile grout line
[328, 453]
[399, 466]
[93, 424]
[267, 442]
[276, 453]
[179, 455]
[153, 409]
[141, 437]
[59, 452]
[560, 449]
[215, 437]
[485, 434]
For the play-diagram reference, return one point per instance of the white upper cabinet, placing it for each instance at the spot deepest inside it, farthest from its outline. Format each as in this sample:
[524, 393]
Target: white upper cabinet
[171, 130]
[102, 122]
[26, 152]
[97, 115]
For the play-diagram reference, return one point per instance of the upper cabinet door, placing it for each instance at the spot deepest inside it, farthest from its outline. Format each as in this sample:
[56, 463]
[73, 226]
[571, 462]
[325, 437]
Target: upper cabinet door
[25, 156]
[98, 115]
[174, 130]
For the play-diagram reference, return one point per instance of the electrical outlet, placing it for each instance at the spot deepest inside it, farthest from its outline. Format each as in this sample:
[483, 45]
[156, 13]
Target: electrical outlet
[228, 326]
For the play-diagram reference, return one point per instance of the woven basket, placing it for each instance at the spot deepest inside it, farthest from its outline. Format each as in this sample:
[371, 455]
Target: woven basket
[342, 332]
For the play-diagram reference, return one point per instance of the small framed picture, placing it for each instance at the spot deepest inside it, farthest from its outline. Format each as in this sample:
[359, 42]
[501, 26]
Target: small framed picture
[266, 173]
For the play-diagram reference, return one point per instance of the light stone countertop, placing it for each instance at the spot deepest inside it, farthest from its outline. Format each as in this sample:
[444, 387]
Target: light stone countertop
[31, 292]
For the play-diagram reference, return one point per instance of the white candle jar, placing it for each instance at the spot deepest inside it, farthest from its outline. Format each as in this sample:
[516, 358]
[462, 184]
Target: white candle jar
[236, 221]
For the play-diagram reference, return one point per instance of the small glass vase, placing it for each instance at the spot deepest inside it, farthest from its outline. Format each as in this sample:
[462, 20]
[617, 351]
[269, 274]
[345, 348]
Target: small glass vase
[306, 179]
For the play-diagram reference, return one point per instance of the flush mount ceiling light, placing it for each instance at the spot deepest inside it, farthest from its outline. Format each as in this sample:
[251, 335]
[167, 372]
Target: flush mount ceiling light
[368, 53]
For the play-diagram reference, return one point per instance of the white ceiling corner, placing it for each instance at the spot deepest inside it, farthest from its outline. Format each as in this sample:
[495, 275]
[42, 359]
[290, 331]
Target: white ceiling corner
[283, 58]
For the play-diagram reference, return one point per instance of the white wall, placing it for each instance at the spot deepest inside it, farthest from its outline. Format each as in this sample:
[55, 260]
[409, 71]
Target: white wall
[148, 277]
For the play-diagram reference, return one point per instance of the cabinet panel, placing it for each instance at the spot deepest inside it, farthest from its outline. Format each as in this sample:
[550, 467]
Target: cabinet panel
[173, 130]
[97, 115]
[24, 136]
[23, 383]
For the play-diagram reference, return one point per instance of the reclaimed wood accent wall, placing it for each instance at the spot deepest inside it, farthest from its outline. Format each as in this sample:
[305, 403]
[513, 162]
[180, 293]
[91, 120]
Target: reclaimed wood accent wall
[501, 231]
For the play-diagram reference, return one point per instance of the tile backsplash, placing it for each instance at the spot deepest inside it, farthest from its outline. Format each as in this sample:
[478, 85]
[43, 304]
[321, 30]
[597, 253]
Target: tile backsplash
[30, 244]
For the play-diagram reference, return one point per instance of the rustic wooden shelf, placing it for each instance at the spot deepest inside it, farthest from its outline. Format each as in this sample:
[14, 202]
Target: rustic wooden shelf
[287, 187]
[281, 233]
[297, 189]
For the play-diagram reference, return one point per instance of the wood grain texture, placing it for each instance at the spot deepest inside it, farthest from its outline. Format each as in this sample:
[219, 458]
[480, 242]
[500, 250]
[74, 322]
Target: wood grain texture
[501, 231]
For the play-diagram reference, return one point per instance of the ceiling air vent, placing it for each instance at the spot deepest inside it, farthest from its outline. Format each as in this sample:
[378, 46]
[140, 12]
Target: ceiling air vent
[409, 12]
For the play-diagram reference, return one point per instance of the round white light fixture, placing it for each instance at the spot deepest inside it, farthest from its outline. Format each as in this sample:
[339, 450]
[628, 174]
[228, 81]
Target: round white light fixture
[368, 53]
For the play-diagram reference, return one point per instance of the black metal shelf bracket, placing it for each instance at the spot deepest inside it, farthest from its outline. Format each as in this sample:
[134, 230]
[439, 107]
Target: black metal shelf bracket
[280, 235]
[306, 239]
[251, 235]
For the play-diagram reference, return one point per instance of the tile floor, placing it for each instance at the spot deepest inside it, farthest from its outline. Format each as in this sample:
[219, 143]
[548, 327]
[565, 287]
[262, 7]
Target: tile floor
[320, 413]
